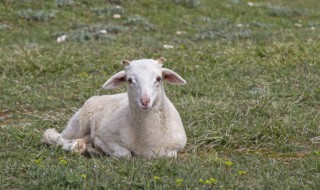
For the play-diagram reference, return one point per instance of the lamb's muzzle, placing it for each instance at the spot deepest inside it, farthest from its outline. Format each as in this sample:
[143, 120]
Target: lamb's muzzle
[145, 100]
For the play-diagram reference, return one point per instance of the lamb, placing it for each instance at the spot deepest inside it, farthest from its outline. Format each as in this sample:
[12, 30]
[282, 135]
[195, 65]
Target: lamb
[141, 122]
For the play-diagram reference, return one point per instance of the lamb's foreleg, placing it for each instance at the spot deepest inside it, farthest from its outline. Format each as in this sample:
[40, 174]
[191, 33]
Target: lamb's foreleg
[111, 148]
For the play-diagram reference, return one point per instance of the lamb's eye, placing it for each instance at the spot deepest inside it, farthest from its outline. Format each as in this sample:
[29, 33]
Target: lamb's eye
[129, 81]
[159, 79]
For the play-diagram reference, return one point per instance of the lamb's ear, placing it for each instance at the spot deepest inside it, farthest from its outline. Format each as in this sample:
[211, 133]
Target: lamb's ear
[115, 81]
[125, 62]
[172, 77]
[161, 61]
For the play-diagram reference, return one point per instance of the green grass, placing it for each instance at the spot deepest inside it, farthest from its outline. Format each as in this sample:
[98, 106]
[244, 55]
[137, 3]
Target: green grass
[250, 108]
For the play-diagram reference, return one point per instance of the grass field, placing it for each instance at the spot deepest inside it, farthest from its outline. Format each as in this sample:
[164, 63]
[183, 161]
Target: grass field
[251, 107]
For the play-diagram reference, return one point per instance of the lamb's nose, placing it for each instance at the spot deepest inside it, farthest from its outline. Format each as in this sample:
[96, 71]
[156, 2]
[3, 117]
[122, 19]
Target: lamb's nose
[145, 100]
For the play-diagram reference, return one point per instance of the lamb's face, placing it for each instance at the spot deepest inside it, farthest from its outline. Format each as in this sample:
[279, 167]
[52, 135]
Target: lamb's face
[144, 78]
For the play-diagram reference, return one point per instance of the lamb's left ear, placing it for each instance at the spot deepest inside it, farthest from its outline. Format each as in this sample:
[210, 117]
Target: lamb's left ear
[115, 81]
[161, 61]
[125, 62]
[172, 77]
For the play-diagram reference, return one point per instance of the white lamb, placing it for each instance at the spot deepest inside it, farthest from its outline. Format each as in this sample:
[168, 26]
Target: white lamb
[141, 122]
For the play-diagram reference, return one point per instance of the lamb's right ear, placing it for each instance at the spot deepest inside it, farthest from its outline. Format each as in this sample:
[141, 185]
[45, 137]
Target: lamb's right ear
[172, 77]
[115, 81]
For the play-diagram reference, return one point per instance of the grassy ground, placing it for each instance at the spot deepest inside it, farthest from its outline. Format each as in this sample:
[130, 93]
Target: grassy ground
[250, 108]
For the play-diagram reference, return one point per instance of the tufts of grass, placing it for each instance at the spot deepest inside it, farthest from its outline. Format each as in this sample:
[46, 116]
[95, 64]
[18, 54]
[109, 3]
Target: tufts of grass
[37, 15]
[250, 106]
[109, 11]
[188, 3]
[279, 11]
[137, 20]
[63, 3]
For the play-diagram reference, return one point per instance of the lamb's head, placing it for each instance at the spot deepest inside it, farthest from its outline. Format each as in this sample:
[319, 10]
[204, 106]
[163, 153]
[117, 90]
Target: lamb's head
[144, 78]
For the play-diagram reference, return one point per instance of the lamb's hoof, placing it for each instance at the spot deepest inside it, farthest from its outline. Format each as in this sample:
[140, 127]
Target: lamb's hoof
[78, 146]
[93, 151]
[122, 153]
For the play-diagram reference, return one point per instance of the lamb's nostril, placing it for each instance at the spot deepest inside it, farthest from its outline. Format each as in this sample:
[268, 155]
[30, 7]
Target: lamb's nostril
[145, 100]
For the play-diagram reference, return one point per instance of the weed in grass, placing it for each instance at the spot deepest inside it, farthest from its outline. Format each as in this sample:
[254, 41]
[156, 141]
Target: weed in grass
[179, 182]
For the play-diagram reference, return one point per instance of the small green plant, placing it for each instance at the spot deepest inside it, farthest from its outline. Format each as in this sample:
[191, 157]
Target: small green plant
[242, 172]
[179, 182]
[83, 176]
[228, 163]
[62, 161]
[210, 181]
[156, 178]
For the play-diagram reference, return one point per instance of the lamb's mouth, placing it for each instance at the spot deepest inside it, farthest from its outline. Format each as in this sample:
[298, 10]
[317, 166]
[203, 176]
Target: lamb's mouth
[145, 107]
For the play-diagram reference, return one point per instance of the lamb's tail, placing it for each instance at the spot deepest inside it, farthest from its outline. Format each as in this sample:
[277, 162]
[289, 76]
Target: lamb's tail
[52, 137]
